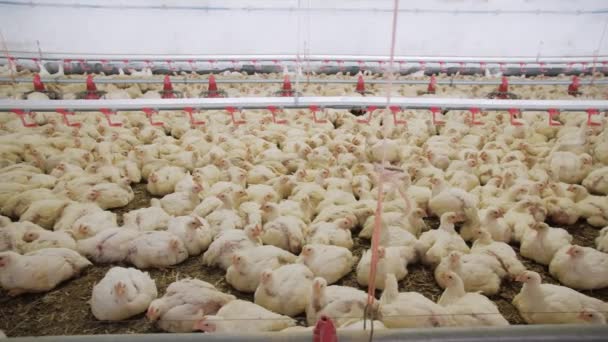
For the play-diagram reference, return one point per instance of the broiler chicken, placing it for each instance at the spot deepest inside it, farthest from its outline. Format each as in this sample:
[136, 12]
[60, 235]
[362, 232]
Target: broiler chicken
[285, 290]
[39, 271]
[122, 293]
[580, 268]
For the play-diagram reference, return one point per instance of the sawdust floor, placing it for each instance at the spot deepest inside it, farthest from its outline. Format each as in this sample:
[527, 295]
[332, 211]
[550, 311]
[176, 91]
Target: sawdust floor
[65, 310]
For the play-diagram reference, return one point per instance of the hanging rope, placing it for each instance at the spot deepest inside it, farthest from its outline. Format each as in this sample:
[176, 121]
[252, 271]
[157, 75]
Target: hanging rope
[371, 290]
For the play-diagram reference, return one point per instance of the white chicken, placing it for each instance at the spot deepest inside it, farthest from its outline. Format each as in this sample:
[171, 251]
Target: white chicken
[286, 232]
[156, 249]
[122, 293]
[35, 238]
[468, 308]
[581, 268]
[393, 260]
[44, 212]
[601, 242]
[340, 303]
[227, 242]
[332, 233]
[108, 246]
[551, 304]
[194, 231]
[410, 309]
[185, 302]
[245, 317]
[90, 224]
[179, 203]
[162, 182]
[479, 272]
[597, 181]
[245, 272]
[484, 244]
[111, 195]
[445, 199]
[542, 242]
[433, 245]
[327, 261]
[39, 271]
[144, 219]
[285, 290]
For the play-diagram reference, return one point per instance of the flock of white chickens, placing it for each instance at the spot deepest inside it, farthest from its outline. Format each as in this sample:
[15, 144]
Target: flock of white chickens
[276, 206]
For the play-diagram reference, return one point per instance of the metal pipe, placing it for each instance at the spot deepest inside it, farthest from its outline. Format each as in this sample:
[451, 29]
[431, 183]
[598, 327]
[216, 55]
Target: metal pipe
[182, 80]
[52, 56]
[513, 333]
[304, 102]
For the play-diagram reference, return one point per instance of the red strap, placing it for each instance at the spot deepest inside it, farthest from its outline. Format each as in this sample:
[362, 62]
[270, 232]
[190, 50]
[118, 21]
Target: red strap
[590, 113]
[552, 113]
[435, 111]
[191, 112]
[514, 113]
[65, 113]
[149, 113]
[314, 109]
[370, 109]
[22, 115]
[107, 112]
[273, 110]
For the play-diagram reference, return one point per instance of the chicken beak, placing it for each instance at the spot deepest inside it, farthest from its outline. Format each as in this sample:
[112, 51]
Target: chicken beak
[520, 278]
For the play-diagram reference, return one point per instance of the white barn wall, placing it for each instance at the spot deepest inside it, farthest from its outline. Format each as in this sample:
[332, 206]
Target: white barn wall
[356, 27]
